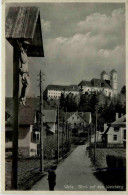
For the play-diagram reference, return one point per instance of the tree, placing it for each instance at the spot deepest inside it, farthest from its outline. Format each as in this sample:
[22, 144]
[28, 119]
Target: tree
[123, 90]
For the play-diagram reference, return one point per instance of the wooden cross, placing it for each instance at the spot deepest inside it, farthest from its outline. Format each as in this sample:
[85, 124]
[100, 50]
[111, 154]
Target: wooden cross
[22, 23]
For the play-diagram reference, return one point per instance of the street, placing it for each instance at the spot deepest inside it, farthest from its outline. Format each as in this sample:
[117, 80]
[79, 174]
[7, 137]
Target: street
[75, 173]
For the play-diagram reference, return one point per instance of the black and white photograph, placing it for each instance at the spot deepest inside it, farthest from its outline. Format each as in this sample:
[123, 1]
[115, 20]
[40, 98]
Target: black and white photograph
[65, 96]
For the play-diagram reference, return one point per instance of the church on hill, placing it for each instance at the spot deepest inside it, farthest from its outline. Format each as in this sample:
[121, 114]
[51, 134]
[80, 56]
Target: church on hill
[107, 84]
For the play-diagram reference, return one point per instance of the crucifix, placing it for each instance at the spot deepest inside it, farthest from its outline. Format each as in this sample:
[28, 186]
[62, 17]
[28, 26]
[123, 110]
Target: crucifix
[23, 31]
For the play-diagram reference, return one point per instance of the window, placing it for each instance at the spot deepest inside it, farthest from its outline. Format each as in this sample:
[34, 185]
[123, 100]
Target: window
[116, 129]
[8, 136]
[115, 137]
[74, 124]
[33, 150]
[72, 118]
[124, 133]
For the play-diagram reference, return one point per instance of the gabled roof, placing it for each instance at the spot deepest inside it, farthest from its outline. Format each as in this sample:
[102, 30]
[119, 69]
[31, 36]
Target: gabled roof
[26, 113]
[96, 83]
[76, 113]
[120, 121]
[86, 116]
[85, 83]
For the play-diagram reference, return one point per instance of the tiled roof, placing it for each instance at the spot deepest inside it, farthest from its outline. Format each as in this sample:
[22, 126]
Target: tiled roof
[100, 83]
[66, 115]
[120, 121]
[96, 83]
[85, 83]
[63, 87]
[85, 116]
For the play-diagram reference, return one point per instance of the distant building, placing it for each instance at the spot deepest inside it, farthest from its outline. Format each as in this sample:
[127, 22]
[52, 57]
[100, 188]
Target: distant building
[104, 84]
[55, 91]
[78, 120]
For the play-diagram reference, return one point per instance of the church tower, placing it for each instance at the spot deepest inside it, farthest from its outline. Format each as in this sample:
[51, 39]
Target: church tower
[113, 81]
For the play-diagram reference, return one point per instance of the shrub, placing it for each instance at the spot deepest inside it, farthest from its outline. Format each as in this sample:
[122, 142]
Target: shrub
[115, 162]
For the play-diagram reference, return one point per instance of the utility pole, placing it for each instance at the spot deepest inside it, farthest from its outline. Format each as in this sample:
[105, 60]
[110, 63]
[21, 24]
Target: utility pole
[41, 124]
[58, 133]
[90, 134]
[68, 135]
[95, 136]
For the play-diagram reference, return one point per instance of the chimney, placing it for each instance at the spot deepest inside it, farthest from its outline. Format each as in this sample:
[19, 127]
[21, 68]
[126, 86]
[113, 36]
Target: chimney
[117, 116]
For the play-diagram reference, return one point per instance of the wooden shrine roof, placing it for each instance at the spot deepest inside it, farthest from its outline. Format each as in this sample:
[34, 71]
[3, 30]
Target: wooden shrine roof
[24, 23]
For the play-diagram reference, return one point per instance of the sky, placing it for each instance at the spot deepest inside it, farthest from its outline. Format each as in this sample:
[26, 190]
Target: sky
[80, 41]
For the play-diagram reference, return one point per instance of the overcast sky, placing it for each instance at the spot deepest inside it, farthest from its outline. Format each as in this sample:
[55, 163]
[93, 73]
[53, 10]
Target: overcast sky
[80, 41]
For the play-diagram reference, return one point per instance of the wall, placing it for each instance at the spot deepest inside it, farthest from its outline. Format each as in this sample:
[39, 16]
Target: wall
[24, 136]
[111, 132]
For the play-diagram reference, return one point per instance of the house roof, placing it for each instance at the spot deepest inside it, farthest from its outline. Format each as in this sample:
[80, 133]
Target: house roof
[66, 115]
[63, 87]
[120, 121]
[50, 116]
[86, 116]
[96, 83]
[24, 23]
[26, 113]
[85, 83]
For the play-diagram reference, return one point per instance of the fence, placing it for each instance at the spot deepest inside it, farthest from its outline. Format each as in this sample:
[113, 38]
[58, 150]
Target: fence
[108, 145]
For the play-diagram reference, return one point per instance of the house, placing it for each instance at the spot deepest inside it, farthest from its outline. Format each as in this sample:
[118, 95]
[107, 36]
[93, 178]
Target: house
[49, 123]
[115, 133]
[104, 84]
[78, 121]
[26, 135]
[49, 128]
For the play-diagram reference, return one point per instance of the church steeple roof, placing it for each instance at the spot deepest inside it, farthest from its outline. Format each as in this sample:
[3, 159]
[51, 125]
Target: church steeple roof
[103, 72]
[113, 71]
